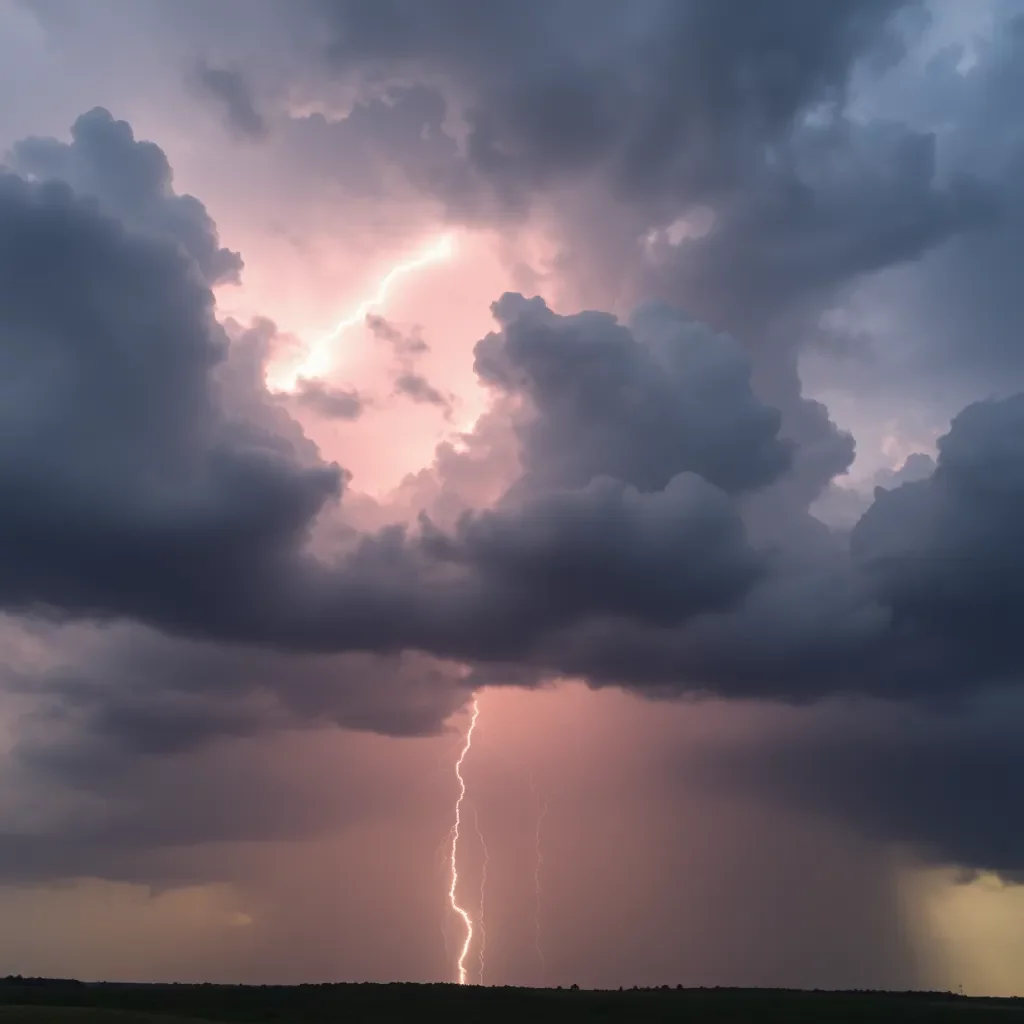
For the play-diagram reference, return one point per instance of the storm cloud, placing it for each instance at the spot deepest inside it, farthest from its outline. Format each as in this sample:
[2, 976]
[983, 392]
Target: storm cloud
[650, 455]
[149, 501]
[133, 181]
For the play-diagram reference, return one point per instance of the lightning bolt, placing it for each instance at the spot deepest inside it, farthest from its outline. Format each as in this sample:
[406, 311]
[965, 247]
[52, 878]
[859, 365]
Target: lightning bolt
[453, 859]
[318, 356]
[538, 863]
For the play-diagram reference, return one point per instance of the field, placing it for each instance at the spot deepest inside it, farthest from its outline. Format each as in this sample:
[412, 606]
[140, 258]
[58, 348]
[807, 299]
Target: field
[55, 1002]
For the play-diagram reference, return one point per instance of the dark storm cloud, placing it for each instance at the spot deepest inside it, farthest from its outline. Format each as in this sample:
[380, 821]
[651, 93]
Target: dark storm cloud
[640, 405]
[230, 89]
[686, 108]
[85, 795]
[135, 494]
[127, 483]
[663, 94]
[129, 743]
[945, 781]
[945, 552]
[843, 201]
[133, 181]
[925, 608]
[598, 551]
[193, 692]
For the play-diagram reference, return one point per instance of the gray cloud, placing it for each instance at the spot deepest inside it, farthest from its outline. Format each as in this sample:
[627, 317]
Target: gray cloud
[640, 405]
[945, 780]
[945, 551]
[133, 181]
[670, 94]
[125, 469]
[116, 766]
[228, 87]
[841, 507]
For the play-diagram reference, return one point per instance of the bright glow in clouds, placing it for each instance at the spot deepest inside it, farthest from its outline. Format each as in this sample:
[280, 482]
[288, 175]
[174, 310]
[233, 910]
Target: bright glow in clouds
[453, 860]
[318, 358]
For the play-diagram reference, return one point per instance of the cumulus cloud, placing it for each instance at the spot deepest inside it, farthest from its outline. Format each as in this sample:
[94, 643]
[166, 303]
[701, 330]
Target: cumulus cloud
[945, 551]
[639, 404]
[126, 472]
[133, 181]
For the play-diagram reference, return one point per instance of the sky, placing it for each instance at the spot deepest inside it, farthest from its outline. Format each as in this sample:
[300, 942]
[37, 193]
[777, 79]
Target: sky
[649, 373]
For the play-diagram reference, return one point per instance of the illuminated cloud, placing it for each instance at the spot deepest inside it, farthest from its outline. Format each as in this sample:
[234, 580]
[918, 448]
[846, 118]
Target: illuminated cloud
[319, 359]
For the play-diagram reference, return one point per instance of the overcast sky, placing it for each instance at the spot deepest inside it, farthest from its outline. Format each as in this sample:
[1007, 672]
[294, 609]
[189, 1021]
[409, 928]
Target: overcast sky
[651, 371]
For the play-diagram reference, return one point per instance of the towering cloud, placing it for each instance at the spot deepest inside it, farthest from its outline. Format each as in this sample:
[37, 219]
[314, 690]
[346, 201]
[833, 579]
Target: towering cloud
[619, 553]
[132, 181]
[130, 491]
[640, 405]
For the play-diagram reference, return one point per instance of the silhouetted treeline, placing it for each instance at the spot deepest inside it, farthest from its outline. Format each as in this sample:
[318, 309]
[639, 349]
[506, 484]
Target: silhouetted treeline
[353, 1002]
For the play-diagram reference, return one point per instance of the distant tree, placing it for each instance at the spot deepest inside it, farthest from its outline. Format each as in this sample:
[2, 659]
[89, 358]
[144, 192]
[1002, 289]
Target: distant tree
[574, 987]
